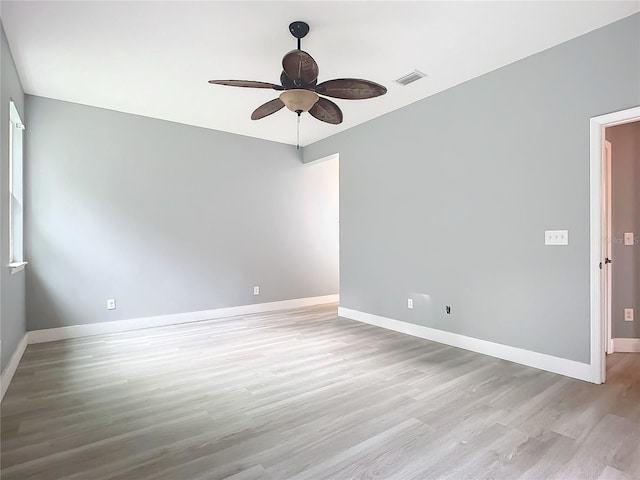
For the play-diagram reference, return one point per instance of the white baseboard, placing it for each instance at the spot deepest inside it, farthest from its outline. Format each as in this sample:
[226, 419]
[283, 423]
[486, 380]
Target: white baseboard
[629, 345]
[569, 368]
[10, 370]
[74, 331]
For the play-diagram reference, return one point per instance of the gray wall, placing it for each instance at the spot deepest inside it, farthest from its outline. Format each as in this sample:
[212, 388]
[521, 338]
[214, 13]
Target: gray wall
[12, 287]
[447, 199]
[625, 203]
[167, 218]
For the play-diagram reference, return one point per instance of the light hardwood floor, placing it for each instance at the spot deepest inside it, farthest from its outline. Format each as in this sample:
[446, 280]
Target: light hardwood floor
[302, 394]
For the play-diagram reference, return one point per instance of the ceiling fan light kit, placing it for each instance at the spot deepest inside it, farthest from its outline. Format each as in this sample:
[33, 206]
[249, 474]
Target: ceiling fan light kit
[299, 100]
[299, 83]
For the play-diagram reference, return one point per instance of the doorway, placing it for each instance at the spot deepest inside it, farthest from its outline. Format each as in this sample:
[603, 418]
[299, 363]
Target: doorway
[622, 220]
[605, 308]
[327, 219]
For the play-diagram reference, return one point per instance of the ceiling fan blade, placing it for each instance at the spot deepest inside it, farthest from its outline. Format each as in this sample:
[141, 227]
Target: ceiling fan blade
[246, 83]
[326, 111]
[300, 66]
[268, 108]
[350, 89]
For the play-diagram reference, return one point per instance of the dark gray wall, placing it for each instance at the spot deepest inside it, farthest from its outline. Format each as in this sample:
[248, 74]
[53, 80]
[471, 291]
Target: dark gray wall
[625, 206]
[167, 218]
[12, 287]
[447, 199]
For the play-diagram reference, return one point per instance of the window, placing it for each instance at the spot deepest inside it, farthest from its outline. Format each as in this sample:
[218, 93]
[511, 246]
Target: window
[16, 245]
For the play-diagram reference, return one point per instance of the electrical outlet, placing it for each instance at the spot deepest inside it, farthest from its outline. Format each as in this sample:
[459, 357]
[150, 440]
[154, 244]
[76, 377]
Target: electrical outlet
[111, 304]
[256, 290]
[628, 238]
[410, 303]
[628, 314]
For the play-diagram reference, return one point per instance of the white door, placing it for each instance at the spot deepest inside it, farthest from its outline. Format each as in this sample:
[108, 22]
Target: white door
[607, 247]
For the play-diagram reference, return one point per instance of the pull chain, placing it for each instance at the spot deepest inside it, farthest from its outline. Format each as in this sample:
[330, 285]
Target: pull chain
[298, 133]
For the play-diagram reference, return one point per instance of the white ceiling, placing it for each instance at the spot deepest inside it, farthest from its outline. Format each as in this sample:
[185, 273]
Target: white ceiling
[154, 58]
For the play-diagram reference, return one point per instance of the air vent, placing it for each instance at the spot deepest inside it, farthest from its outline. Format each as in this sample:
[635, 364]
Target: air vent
[410, 78]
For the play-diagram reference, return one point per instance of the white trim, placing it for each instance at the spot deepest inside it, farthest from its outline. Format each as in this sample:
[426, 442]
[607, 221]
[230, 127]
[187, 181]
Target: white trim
[333, 156]
[10, 370]
[629, 345]
[597, 125]
[569, 368]
[74, 331]
[16, 267]
[595, 205]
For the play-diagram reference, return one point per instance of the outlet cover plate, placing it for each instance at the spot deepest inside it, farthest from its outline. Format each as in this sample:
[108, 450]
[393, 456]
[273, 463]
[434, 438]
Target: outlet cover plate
[556, 237]
[629, 238]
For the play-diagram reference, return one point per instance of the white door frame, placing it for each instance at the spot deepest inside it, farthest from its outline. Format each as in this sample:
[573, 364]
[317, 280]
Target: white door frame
[598, 328]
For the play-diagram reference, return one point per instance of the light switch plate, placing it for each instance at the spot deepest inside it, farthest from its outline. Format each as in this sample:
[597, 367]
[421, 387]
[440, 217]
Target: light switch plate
[628, 238]
[556, 237]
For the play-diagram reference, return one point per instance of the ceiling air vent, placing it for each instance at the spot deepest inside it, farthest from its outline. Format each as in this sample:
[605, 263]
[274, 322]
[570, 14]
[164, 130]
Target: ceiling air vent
[410, 78]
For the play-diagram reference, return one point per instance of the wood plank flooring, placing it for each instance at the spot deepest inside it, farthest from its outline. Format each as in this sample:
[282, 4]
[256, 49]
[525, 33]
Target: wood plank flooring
[302, 394]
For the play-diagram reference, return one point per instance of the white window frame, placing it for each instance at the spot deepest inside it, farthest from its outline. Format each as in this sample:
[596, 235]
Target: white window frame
[16, 186]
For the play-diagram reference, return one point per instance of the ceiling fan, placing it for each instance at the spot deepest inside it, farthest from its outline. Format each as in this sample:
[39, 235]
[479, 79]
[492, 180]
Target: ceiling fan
[301, 90]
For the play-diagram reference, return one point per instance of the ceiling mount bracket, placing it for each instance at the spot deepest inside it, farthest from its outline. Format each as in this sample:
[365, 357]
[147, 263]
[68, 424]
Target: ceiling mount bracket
[299, 30]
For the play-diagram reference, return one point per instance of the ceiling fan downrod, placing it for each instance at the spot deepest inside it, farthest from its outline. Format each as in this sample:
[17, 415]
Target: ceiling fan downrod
[299, 30]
